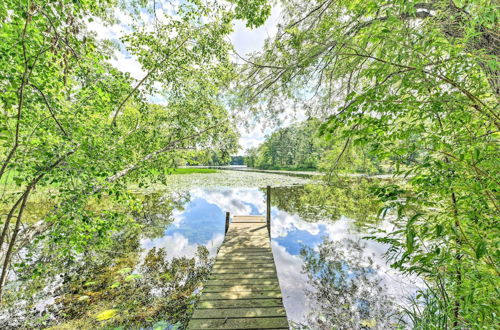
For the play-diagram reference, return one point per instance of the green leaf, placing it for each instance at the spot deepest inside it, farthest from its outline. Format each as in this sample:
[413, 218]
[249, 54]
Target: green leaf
[480, 249]
[410, 240]
[439, 230]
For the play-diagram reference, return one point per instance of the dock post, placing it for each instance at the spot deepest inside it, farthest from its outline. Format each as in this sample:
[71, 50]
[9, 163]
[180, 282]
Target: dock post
[227, 223]
[268, 213]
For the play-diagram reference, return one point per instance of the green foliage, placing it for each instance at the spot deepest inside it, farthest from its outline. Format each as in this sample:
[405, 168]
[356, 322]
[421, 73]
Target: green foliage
[210, 158]
[294, 147]
[418, 82]
[291, 147]
[255, 12]
[305, 146]
[73, 124]
[351, 197]
[112, 284]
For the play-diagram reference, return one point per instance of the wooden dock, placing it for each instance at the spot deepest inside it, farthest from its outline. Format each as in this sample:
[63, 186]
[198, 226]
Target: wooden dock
[243, 291]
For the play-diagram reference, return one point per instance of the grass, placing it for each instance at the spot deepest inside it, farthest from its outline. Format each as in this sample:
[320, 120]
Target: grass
[277, 168]
[193, 170]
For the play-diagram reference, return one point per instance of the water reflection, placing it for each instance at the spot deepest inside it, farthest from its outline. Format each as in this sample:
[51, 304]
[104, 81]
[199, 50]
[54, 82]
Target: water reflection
[348, 291]
[117, 284]
[201, 220]
[329, 275]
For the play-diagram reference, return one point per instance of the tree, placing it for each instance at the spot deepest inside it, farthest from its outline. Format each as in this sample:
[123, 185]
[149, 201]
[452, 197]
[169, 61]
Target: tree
[73, 122]
[410, 78]
[299, 147]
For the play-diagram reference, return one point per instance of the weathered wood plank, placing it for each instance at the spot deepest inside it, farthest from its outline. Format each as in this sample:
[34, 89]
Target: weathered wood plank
[244, 271]
[245, 245]
[242, 250]
[254, 258]
[243, 265]
[258, 241]
[241, 276]
[238, 218]
[238, 312]
[240, 295]
[246, 260]
[240, 303]
[245, 255]
[240, 323]
[241, 288]
[239, 281]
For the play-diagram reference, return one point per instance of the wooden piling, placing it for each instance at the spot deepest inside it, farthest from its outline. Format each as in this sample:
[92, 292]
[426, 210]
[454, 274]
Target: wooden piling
[268, 211]
[228, 215]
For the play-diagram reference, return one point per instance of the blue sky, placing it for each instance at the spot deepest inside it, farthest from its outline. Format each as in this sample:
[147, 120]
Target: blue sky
[245, 41]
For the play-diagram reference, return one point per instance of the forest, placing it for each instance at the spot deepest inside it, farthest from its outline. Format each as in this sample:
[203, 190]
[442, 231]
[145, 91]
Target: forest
[302, 147]
[406, 88]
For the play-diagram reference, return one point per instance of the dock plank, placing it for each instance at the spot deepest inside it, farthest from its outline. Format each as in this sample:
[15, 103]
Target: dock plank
[240, 303]
[243, 290]
[240, 295]
[238, 281]
[240, 323]
[238, 312]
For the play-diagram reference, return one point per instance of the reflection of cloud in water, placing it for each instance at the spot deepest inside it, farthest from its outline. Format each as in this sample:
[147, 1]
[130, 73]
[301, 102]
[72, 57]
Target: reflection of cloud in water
[202, 223]
[177, 245]
[236, 201]
[291, 233]
[199, 221]
[292, 282]
[397, 284]
[283, 223]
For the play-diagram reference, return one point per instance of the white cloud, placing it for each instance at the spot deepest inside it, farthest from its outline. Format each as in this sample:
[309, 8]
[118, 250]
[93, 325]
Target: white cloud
[121, 60]
[246, 40]
[128, 63]
[253, 136]
[283, 223]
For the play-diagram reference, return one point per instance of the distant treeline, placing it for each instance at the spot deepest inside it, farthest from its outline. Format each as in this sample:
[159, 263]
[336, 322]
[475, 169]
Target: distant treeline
[211, 158]
[308, 146]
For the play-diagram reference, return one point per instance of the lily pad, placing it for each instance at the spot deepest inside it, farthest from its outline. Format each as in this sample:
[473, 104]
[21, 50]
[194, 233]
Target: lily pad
[106, 315]
[125, 270]
[132, 277]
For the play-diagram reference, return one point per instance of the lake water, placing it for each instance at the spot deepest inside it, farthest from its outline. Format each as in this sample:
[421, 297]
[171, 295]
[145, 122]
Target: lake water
[299, 239]
[330, 274]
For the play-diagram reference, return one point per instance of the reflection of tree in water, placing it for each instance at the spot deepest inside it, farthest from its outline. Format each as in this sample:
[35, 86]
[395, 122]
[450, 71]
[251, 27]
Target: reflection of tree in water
[347, 291]
[313, 202]
[114, 280]
[156, 211]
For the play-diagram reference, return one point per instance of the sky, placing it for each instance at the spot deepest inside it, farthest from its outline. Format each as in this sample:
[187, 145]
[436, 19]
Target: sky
[245, 41]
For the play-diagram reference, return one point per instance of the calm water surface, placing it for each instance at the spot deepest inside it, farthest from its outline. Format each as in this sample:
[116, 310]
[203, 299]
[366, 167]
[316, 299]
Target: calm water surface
[331, 276]
[313, 258]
